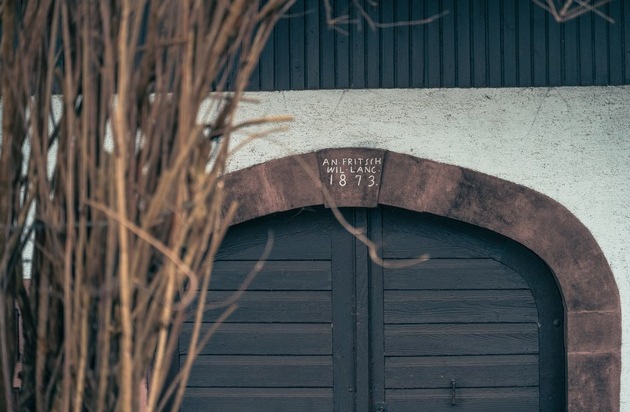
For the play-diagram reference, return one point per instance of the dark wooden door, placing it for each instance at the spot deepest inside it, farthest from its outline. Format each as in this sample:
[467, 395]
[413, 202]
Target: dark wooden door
[478, 327]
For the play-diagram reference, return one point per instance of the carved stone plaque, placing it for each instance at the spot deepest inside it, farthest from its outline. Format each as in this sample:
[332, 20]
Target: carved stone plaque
[350, 176]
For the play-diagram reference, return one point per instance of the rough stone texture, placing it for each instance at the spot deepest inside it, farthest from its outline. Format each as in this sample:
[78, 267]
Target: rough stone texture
[588, 287]
[593, 332]
[274, 186]
[591, 383]
[432, 184]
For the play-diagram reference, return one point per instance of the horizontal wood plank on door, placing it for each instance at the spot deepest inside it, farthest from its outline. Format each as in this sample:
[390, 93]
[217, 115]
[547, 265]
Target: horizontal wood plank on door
[262, 371]
[461, 339]
[271, 306]
[258, 400]
[467, 371]
[407, 235]
[264, 339]
[289, 232]
[401, 245]
[456, 306]
[275, 275]
[469, 400]
[453, 274]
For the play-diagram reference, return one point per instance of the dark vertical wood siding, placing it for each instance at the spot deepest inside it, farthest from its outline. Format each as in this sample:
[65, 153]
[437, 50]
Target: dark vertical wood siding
[478, 43]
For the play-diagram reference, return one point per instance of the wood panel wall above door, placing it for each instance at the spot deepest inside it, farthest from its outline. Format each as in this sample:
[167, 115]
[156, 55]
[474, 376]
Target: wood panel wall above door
[475, 43]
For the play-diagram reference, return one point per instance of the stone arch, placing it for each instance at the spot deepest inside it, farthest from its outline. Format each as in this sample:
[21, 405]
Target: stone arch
[585, 280]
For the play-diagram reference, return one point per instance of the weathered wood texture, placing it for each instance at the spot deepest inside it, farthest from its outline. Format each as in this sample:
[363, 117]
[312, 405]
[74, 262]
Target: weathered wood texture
[275, 351]
[258, 399]
[324, 328]
[475, 302]
[467, 399]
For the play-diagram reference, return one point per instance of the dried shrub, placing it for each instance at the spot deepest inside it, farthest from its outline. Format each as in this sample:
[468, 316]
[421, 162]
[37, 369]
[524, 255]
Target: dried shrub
[102, 100]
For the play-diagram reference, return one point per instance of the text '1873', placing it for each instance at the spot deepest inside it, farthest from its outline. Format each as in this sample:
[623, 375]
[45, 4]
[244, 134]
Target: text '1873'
[357, 171]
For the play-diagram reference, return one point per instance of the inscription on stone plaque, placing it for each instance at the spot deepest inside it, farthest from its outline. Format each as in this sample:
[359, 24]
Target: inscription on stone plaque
[351, 176]
[352, 171]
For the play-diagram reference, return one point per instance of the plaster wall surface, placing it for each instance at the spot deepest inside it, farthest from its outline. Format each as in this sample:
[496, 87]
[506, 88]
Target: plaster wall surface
[571, 144]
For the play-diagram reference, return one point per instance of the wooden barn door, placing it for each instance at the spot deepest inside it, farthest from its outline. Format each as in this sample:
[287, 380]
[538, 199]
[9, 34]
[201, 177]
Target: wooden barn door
[478, 327]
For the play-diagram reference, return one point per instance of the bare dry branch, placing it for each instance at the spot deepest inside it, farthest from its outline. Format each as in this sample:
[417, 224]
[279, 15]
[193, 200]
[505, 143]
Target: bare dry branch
[572, 9]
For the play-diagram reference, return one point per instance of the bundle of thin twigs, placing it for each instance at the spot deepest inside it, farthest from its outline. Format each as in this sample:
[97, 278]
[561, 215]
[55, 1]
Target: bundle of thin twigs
[128, 214]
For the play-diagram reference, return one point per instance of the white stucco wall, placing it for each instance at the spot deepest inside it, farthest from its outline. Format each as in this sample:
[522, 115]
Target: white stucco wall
[572, 144]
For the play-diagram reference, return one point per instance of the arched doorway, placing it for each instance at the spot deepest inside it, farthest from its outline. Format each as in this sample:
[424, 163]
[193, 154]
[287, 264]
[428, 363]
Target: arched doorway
[479, 326]
[592, 320]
